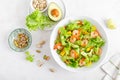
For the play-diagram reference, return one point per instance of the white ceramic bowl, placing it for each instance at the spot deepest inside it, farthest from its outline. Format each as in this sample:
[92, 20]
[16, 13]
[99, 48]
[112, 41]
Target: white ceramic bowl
[58, 59]
[33, 9]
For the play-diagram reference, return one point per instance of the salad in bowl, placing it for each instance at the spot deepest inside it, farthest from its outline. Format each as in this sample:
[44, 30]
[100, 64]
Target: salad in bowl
[78, 44]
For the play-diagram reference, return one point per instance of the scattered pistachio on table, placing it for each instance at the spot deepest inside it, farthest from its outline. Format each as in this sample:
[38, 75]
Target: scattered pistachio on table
[45, 57]
[38, 51]
[40, 44]
[52, 70]
[39, 63]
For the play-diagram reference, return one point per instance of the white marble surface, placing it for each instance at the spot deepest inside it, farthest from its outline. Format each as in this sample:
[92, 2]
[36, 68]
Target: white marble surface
[13, 65]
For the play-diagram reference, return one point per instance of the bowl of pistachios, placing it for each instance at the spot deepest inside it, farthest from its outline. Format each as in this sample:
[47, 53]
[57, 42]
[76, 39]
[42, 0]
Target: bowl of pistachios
[20, 40]
[39, 5]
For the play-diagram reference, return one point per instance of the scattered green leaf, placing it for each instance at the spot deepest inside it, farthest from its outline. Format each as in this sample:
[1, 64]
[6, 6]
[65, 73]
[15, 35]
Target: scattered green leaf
[29, 57]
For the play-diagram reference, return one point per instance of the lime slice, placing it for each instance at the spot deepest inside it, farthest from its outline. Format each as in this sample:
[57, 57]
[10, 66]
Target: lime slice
[111, 24]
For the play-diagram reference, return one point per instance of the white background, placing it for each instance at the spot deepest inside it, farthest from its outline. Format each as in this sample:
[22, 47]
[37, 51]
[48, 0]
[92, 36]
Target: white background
[13, 65]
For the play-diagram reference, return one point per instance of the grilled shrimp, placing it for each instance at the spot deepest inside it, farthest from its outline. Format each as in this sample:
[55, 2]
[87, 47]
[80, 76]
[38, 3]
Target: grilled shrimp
[94, 34]
[82, 62]
[58, 46]
[73, 54]
[72, 39]
[84, 43]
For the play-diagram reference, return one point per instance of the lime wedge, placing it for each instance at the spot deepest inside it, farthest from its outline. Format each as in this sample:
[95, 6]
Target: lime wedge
[111, 24]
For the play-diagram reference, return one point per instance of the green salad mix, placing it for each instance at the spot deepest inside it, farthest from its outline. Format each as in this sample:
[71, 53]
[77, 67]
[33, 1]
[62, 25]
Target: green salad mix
[79, 43]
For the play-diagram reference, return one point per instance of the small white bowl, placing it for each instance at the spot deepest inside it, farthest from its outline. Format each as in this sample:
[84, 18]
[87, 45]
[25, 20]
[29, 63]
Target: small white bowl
[33, 9]
[58, 59]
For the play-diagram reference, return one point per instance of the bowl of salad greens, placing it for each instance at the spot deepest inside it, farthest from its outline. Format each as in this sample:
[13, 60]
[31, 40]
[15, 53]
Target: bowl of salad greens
[78, 44]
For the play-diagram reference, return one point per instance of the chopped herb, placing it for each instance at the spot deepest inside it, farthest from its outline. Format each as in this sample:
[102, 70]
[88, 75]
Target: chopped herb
[29, 57]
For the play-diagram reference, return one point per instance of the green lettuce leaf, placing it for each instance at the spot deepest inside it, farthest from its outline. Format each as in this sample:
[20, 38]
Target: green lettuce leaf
[37, 20]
